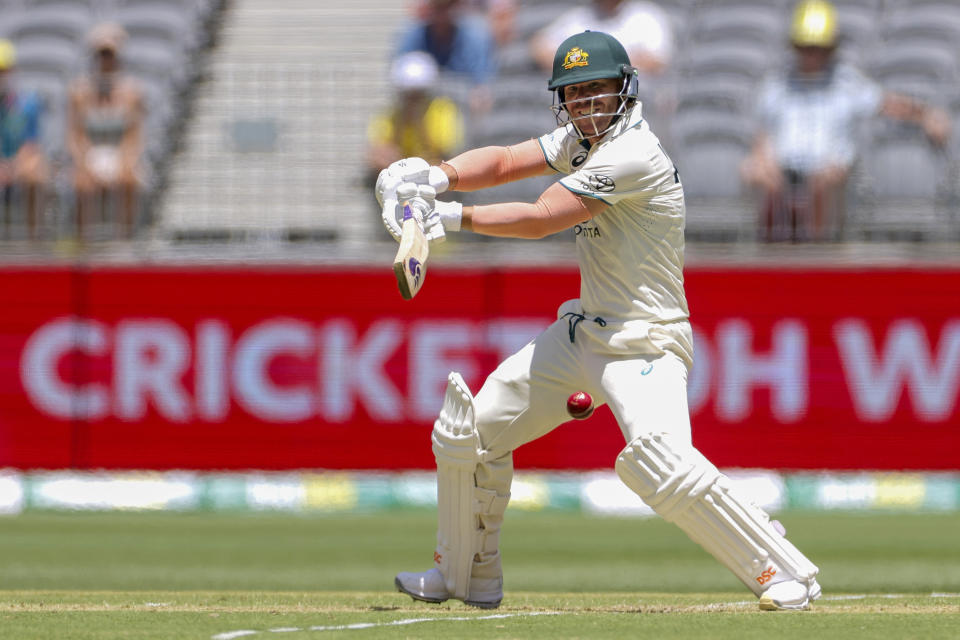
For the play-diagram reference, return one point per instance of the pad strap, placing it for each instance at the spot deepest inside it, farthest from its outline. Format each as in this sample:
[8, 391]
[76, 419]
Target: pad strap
[682, 486]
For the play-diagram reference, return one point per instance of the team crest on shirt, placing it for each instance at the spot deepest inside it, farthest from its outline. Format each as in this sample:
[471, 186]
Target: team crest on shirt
[576, 57]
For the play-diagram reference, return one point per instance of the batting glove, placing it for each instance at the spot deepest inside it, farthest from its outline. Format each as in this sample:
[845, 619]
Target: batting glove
[445, 217]
[409, 170]
[421, 199]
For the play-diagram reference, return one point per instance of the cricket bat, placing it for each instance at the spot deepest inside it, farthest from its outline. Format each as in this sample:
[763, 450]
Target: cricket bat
[410, 263]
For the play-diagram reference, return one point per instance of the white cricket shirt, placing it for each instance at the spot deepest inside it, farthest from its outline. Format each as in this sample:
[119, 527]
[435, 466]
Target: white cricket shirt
[631, 255]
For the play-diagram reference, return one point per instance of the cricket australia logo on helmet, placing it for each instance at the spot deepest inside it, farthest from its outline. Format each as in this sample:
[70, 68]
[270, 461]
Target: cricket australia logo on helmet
[576, 57]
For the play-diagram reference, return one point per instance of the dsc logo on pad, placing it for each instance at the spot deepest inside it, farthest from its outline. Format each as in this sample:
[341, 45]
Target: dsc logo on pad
[766, 576]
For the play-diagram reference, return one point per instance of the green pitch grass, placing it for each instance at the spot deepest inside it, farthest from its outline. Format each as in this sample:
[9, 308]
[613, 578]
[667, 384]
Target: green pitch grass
[273, 577]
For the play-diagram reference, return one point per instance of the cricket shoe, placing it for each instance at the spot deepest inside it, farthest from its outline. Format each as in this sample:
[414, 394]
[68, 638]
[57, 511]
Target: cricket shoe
[429, 586]
[791, 595]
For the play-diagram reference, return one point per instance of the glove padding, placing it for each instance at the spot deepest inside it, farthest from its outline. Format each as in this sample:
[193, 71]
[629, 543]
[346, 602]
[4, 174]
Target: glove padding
[415, 170]
[445, 216]
[422, 200]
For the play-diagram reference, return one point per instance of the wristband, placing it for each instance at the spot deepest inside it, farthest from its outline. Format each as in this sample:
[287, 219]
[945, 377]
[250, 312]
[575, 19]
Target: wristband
[437, 179]
[451, 214]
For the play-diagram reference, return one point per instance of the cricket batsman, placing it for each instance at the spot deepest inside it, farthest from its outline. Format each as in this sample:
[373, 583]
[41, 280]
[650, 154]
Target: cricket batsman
[626, 340]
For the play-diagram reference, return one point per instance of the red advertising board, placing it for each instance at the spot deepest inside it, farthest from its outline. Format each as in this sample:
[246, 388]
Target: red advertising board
[310, 367]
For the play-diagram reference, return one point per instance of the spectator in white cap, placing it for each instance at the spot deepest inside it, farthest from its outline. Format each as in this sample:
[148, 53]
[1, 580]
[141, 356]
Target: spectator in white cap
[419, 122]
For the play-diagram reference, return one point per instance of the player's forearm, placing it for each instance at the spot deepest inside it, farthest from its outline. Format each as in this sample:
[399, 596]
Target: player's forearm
[491, 166]
[507, 220]
[552, 213]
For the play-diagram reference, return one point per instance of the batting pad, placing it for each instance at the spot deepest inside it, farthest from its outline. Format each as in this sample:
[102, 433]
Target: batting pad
[456, 447]
[685, 488]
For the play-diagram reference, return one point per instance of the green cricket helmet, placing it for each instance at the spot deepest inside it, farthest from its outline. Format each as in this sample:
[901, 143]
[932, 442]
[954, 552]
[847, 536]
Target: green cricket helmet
[592, 55]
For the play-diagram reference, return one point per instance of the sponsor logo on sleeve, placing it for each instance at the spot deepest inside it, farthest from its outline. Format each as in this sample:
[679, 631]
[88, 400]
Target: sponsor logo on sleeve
[602, 184]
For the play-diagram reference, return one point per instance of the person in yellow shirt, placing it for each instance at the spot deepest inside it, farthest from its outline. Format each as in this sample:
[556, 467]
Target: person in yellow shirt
[24, 171]
[420, 123]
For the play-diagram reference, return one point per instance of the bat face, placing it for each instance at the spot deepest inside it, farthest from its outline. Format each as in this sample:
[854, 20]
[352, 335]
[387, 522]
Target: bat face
[410, 263]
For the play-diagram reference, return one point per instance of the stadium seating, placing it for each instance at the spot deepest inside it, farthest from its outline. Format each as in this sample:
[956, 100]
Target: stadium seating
[760, 25]
[702, 108]
[724, 49]
[165, 40]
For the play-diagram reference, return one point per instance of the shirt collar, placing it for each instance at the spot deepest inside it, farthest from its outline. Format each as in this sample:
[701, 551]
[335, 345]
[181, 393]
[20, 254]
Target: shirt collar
[629, 120]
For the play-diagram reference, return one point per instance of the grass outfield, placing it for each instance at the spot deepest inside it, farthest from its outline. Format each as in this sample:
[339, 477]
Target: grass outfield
[163, 575]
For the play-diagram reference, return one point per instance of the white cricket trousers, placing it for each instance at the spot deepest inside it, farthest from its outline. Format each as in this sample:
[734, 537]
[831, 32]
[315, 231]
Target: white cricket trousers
[639, 371]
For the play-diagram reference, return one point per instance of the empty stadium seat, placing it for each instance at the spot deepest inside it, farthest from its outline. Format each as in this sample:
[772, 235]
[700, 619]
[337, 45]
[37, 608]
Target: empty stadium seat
[712, 96]
[515, 58]
[914, 61]
[146, 58]
[160, 20]
[730, 61]
[937, 25]
[522, 89]
[907, 185]
[758, 24]
[510, 125]
[65, 21]
[57, 59]
[531, 17]
[709, 162]
[857, 25]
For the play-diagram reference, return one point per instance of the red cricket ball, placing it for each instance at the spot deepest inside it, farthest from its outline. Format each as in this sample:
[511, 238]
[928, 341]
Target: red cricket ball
[580, 405]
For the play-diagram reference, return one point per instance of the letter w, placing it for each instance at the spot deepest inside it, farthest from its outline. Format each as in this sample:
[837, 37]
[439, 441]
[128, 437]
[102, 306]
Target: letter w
[876, 381]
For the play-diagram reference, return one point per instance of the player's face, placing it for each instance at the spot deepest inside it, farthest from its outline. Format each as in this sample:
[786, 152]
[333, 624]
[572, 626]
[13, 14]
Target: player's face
[593, 104]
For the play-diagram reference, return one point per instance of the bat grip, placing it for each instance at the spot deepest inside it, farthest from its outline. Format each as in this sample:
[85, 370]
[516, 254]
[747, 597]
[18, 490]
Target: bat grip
[390, 207]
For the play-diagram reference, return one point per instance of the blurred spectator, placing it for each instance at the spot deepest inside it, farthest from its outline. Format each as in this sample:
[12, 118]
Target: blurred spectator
[105, 134]
[500, 15]
[23, 168]
[461, 42]
[808, 123]
[644, 28]
[419, 124]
